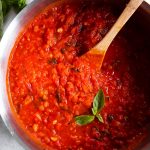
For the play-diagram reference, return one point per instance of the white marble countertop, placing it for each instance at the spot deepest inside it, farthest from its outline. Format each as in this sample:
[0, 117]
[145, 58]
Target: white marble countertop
[7, 142]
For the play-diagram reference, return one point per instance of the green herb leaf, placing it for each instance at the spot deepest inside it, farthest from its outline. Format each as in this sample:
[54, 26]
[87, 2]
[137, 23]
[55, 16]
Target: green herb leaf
[5, 6]
[75, 69]
[10, 2]
[98, 102]
[18, 3]
[58, 96]
[1, 19]
[99, 117]
[84, 119]
[21, 4]
[52, 61]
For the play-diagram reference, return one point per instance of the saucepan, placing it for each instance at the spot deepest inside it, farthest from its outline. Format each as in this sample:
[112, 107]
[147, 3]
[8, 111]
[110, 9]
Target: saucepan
[141, 17]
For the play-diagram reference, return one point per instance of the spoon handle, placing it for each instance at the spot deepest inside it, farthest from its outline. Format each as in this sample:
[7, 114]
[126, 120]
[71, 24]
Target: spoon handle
[131, 7]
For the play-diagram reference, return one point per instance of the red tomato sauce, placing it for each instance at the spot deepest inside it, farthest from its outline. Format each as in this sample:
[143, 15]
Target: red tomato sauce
[50, 85]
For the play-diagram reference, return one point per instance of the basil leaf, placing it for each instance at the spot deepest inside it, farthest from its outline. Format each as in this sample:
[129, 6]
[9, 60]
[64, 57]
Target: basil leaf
[19, 4]
[84, 119]
[5, 8]
[10, 2]
[98, 102]
[99, 117]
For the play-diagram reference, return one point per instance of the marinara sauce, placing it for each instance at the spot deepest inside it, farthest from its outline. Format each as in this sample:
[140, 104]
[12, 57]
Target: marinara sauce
[49, 85]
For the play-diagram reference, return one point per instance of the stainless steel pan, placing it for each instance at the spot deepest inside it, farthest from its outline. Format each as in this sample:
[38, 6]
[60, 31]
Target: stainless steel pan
[6, 46]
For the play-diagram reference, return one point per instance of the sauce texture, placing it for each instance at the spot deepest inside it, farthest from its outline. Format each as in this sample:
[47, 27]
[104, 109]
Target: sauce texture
[49, 85]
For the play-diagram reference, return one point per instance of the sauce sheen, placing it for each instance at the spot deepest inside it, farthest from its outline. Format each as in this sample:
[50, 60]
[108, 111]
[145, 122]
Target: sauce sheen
[50, 85]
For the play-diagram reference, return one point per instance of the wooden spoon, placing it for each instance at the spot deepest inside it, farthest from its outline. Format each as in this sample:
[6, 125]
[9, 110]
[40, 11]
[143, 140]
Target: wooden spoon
[97, 53]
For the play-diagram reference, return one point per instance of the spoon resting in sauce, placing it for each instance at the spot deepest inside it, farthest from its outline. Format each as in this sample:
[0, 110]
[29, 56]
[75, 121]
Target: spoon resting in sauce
[97, 53]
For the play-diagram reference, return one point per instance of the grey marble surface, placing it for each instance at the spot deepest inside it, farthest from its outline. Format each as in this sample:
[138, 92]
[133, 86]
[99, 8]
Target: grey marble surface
[7, 142]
